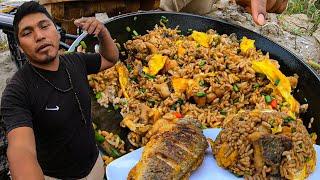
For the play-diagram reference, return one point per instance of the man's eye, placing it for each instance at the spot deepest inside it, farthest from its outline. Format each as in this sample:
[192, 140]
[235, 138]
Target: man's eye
[25, 33]
[44, 26]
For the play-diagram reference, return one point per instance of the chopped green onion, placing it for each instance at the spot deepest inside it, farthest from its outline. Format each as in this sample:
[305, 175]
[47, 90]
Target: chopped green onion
[134, 79]
[300, 145]
[203, 126]
[135, 18]
[115, 153]
[164, 19]
[143, 90]
[201, 94]
[148, 76]
[99, 138]
[115, 107]
[190, 30]
[202, 63]
[99, 95]
[235, 88]
[198, 45]
[174, 106]
[305, 100]
[256, 85]
[201, 82]
[83, 44]
[151, 102]
[129, 67]
[128, 29]
[276, 82]
[288, 119]
[272, 122]
[307, 159]
[223, 112]
[135, 33]
[268, 99]
[236, 100]
[180, 101]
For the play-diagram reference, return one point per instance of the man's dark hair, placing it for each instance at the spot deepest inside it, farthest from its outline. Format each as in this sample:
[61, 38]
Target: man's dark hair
[26, 9]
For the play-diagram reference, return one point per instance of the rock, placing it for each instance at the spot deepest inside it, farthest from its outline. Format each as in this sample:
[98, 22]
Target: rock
[297, 23]
[316, 34]
[271, 28]
[236, 16]
[7, 69]
[272, 17]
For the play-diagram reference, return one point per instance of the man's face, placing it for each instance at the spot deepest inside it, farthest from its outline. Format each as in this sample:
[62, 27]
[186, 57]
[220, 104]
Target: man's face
[39, 38]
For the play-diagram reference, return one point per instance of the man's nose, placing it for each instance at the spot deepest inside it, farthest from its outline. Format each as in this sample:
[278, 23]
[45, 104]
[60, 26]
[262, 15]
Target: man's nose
[38, 35]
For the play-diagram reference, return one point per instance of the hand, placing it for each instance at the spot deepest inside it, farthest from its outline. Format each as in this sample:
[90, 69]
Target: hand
[91, 25]
[259, 8]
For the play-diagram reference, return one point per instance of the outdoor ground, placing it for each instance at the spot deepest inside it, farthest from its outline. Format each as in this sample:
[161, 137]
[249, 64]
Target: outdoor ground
[296, 29]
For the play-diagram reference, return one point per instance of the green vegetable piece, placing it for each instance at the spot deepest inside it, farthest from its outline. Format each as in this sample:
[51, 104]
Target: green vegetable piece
[143, 90]
[115, 107]
[99, 95]
[99, 138]
[276, 83]
[83, 44]
[235, 88]
[203, 126]
[129, 67]
[202, 63]
[307, 159]
[201, 82]
[110, 150]
[288, 119]
[135, 18]
[148, 76]
[128, 29]
[256, 85]
[135, 33]
[223, 112]
[268, 99]
[180, 101]
[115, 153]
[201, 94]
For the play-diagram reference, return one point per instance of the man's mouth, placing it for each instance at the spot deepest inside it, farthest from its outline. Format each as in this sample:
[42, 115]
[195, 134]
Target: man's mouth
[43, 47]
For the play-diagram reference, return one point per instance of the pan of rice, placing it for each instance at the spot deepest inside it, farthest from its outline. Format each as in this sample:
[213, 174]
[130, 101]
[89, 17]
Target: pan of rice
[176, 65]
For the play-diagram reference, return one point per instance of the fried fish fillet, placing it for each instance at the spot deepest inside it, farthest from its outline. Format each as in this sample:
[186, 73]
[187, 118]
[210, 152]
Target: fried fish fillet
[173, 152]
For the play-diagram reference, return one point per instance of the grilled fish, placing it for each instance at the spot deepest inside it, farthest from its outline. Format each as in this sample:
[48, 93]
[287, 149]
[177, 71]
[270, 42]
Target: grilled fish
[175, 150]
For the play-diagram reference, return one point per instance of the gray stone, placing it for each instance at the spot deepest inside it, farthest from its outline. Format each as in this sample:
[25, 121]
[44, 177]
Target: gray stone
[297, 23]
[316, 34]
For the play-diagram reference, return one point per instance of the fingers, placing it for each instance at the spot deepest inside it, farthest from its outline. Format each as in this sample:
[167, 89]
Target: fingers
[259, 11]
[91, 25]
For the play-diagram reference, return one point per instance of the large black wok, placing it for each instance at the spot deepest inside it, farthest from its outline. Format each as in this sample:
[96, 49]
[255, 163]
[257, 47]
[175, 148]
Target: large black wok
[308, 86]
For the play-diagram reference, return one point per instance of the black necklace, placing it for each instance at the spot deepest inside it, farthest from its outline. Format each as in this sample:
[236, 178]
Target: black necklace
[63, 90]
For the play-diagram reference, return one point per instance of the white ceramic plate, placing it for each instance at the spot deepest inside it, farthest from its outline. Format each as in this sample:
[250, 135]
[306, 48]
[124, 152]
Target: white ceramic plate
[120, 168]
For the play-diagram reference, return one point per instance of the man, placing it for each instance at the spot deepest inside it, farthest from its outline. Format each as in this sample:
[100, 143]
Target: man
[46, 105]
[258, 8]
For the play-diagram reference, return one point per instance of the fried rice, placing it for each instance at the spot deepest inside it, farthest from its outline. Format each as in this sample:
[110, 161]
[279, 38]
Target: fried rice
[202, 75]
[265, 145]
